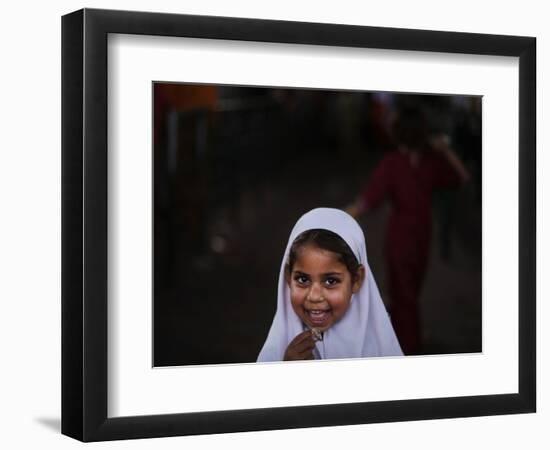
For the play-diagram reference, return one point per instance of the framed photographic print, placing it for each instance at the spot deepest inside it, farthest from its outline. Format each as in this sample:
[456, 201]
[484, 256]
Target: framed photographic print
[273, 224]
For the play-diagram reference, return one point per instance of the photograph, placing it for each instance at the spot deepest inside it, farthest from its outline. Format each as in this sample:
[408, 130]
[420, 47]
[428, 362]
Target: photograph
[342, 206]
[273, 225]
[309, 224]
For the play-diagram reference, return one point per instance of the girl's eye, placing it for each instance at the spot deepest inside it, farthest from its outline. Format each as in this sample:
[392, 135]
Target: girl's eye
[331, 281]
[301, 279]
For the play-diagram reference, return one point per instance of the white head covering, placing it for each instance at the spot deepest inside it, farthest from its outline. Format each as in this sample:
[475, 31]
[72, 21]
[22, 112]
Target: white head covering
[364, 330]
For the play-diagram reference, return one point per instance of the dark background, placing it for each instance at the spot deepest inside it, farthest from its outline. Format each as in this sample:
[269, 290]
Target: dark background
[235, 167]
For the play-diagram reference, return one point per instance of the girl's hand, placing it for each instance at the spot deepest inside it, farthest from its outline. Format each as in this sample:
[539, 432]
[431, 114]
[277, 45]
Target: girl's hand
[301, 347]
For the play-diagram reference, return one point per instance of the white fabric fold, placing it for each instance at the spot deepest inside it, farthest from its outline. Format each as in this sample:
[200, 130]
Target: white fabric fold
[364, 331]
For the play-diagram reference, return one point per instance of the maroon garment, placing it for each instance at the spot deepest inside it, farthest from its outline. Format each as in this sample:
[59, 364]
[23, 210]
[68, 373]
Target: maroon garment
[408, 232]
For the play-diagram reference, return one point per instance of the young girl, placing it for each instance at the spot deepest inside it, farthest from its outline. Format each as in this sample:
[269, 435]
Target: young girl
[328, 304]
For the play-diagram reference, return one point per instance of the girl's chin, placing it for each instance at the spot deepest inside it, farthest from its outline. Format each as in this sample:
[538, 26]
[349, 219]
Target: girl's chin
[322, 329]
[319, 326]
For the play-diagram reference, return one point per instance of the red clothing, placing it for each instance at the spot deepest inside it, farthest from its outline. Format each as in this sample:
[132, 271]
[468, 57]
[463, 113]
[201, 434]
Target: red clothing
[408, 233]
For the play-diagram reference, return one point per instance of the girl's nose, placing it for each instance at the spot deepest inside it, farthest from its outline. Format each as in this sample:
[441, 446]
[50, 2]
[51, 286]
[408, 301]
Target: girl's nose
[315, 293]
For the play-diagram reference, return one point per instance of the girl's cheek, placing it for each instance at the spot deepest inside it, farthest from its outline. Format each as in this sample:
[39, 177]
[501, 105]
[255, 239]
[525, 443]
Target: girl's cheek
[340, 298]
[296, 296]
[300, 290]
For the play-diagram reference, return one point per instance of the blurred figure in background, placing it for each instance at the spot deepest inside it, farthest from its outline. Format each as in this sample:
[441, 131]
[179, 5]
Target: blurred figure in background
[407, 178]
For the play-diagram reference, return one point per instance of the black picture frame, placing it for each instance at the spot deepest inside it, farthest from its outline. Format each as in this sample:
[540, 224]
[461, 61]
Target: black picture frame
[84, 224]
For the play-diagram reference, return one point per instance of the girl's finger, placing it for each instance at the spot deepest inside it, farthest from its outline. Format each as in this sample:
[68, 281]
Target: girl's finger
[306, 344]
[306, 355]
[300, 337]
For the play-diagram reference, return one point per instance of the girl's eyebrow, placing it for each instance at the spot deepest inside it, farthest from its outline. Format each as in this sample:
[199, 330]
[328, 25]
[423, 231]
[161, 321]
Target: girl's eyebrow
[299, 272]
[328, 274]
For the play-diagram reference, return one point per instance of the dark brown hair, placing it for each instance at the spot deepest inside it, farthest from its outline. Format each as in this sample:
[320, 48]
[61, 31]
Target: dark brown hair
[325, 240]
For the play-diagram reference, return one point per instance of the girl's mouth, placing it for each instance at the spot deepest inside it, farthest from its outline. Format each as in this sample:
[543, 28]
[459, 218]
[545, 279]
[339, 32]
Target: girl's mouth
[318, 316]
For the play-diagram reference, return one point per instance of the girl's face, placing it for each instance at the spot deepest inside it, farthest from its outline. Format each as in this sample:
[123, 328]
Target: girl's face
[321, 287]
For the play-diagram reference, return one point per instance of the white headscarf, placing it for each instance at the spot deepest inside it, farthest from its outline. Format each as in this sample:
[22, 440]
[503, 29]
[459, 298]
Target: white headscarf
[364, 330]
